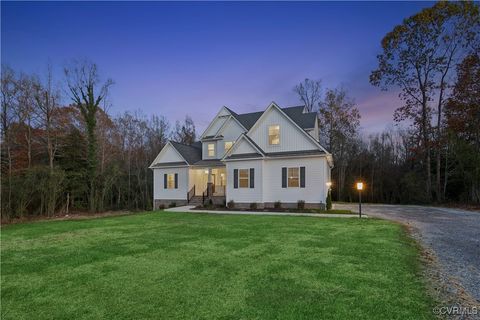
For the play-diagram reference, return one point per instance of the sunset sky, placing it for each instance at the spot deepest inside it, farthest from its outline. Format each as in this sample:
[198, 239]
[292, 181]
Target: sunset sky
[184, 58]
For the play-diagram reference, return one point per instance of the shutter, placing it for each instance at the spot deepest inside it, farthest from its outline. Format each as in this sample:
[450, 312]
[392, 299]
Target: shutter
[235, 178]
[252, 177]
[284, 177]
[164, 181]
[302, 177]
[176, 180]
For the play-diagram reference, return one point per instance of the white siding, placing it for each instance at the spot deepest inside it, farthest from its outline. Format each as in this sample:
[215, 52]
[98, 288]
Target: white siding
[158, 190]
[291, 137]
[244, 147]
[215, 125]
[230, 132]
[168, 154]
[205, 149]
[315, 190]
[245, 195]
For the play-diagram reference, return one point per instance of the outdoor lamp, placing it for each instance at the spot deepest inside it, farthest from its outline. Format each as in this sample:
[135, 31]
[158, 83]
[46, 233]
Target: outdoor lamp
[359, 188]
[329, 184]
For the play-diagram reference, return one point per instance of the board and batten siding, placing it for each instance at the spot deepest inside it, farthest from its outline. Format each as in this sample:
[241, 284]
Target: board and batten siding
[291, 137]
[230, 132]
[245, 195]
[315, 191]
[159, 192]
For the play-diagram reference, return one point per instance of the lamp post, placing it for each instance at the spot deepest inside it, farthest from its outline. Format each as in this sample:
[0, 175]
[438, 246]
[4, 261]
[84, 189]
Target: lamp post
[359, 188]
[329, 194]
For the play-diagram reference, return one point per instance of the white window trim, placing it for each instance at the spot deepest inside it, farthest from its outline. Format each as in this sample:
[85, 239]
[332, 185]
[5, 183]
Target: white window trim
[213, 150]
[288, 177]
[279, 135]
[248, 179]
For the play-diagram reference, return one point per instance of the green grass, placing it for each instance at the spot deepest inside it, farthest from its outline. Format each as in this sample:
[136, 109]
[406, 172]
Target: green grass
[201, 266]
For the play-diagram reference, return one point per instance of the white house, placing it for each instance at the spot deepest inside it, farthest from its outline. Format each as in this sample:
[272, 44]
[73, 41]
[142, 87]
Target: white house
[262, 157]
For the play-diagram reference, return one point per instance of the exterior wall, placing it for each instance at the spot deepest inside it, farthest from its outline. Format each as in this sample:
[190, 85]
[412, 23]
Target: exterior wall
[168, 154]
[246, 195]
[172, 194]
[205, 149]
[315, 190]
[291, 137]
[216, 124]
[230, 132]
[244, 147]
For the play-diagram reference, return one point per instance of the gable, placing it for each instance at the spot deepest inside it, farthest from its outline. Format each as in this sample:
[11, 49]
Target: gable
[214, 126]
[244, 147]
[231, 130]
[168, 154]
[292, 138]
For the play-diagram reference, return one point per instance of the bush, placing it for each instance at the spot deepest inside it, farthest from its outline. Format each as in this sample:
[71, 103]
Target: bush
[277, 204]
[161, 207]
[301, 204]
[253, 205]
[231, 204]
[329, 201]
[210, 202]
[172, 204]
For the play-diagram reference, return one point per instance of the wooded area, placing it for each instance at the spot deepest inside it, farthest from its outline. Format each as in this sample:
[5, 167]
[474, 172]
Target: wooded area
[63, 151]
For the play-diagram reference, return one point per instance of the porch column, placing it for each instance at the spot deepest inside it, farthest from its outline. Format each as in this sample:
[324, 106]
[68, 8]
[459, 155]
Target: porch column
[210, 183]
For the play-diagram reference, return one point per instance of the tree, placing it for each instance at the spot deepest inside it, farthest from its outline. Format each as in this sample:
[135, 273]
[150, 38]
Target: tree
[309, 92]
[339, 121]
[184, 133]
[86, 92]
[463, 123]
[417, 57]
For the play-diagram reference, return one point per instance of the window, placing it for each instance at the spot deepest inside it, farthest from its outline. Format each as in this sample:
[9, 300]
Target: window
[171, 181]
[274, 134]
[228, 145]
[293, 178]
[211, 149]
[243, 178]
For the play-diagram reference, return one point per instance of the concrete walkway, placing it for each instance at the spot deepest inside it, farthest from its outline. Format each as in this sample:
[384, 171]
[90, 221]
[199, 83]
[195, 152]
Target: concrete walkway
[263, 213]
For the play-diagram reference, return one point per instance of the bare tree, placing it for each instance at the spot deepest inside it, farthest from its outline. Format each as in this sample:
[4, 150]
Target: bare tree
[86, 92]
[309, 92]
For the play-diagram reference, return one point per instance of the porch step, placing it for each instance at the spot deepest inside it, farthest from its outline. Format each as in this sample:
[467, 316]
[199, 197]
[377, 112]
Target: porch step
[195, 201]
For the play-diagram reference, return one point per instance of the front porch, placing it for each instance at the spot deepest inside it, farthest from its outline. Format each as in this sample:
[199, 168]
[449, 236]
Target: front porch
[207, 183]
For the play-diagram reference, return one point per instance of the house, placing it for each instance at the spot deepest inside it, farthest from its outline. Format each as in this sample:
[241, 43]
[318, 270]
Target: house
[260, 157]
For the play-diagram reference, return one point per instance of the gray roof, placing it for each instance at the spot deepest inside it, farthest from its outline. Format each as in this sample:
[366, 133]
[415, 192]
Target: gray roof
[191, 153]
[295, 153]
[169, 164]
[245, 156]
[303, 120]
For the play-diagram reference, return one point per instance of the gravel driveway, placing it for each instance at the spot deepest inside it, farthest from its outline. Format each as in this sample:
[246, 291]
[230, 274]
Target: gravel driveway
[453, 235]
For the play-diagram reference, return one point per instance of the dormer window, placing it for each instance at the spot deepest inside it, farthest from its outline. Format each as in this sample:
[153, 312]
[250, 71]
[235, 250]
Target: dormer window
[211, 149]
[274, 134]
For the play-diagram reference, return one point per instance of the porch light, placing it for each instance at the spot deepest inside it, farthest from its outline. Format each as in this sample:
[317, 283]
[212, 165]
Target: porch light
[206, 171]
[329, 184]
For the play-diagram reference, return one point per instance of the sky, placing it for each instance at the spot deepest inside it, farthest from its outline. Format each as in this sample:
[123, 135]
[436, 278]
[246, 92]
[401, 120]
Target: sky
[179, 58]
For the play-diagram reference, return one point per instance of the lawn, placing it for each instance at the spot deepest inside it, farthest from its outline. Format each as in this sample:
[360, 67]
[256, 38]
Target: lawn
[202, 266]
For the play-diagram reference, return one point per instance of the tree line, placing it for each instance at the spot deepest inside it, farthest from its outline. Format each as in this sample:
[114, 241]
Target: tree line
[432, 58]
[62, 150]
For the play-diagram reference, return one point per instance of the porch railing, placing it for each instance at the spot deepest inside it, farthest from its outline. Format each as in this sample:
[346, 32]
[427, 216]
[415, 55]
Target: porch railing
[190, 194]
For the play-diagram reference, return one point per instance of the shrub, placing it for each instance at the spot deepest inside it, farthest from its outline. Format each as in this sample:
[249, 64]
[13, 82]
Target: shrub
[210, 202]
[277, 204]
[161, 207]
[231, 204]
[172, 204]
[329, 201]
[253, 205]
[301, 204]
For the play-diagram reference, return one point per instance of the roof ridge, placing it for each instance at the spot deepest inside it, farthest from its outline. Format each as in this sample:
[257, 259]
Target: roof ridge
[184, 144]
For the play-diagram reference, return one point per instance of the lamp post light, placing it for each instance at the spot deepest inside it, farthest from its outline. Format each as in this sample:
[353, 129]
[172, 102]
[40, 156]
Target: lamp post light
[329, 195]
[359, 188]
